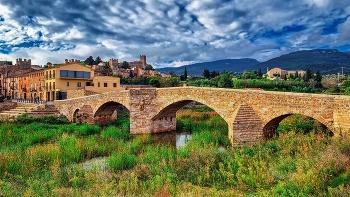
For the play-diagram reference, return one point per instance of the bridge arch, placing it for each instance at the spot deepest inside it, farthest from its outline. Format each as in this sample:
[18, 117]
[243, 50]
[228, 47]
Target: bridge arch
[165, 118]
[82, 114]
[270, 128]
[107, 111]
[75, 115]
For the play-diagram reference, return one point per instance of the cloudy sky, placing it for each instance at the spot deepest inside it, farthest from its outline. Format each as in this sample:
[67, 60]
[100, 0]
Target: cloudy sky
[169, 32]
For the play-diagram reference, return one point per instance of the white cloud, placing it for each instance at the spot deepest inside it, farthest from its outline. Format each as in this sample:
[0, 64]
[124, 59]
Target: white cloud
[170, 32]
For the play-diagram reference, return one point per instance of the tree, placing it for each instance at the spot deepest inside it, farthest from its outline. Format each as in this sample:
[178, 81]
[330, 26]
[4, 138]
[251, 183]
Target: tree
[106, 69]
[318, 79]
[260, 73]
[330, 83]
[89, 61]
[125, 65]
[155, 82]
[185, 74]
[308, 75]
[98, 60]
[172, 73]
[131, 75]
[206, 74]
[149, 67]
[214, 74]
[225, 80]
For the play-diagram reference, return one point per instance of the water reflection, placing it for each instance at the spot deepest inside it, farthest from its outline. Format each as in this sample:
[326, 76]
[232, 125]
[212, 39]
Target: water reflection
[172, 139]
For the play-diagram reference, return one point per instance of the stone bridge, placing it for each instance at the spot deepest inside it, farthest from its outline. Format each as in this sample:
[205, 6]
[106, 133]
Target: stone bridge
[251, 115]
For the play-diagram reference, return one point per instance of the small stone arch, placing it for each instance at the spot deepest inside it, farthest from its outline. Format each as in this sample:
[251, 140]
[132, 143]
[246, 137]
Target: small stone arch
[75, 114]
[83, 114]
[270, 128]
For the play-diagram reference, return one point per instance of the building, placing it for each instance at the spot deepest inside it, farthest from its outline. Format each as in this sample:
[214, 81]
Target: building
[36, 84]
[69, 76]
[102, 84]
[279, 73]
[11, 77]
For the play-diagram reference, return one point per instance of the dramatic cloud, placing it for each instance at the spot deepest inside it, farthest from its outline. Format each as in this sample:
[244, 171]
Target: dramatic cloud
[169, 32]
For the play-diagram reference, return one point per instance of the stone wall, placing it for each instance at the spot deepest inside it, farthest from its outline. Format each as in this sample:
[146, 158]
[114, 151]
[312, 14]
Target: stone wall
[5, 106]
[75, 93]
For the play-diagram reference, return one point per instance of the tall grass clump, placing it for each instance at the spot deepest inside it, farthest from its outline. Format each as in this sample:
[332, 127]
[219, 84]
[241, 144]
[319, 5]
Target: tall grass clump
[115, 133]
[121, 161]
[25, 119]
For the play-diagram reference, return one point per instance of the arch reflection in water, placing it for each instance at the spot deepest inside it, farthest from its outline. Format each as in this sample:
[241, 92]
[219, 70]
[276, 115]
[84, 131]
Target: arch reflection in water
[173, 139]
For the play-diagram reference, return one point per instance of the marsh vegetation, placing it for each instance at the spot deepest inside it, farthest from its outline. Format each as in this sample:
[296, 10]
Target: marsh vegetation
[47, 157]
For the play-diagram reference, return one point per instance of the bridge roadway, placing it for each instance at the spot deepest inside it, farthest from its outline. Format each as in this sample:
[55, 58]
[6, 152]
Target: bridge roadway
[251, 115]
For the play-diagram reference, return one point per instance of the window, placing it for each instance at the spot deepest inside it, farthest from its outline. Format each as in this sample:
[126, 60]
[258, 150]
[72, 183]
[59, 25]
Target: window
[54, 87]
[114, 85]
[87, 75]
[98, 84]
[105, 85]
[79, 74]
[63, 73]
[88, 83]
[54, 74]
[71, 73]
[78, 84]
[74, 74]
[67, 84]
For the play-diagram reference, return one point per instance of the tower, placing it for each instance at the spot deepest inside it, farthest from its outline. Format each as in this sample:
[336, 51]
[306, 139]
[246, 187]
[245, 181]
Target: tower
[143, 61]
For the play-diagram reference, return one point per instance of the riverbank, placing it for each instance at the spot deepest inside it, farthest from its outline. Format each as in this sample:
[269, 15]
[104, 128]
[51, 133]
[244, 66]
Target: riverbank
[45, 158]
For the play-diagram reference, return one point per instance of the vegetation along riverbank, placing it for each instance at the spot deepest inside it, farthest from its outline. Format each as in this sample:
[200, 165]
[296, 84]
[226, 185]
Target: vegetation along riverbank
[46, 157]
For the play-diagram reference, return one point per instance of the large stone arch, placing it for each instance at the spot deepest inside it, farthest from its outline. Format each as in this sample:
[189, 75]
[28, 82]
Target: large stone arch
[107, 112]
[182, 98]
[270, 127]
[165, 117]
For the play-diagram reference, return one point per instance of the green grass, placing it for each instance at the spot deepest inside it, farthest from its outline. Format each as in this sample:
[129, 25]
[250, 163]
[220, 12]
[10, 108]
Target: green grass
[40, 159]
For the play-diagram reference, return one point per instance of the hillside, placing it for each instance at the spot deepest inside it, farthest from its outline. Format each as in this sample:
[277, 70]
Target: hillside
[234, 65]
[328, 61]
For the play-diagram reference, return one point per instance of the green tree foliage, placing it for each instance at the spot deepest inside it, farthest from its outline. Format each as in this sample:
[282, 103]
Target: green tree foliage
[214, 73]
[173, 74]
[206, 74]
[125, 65]
[308, 75]
[98, 60]
[149, 67]
[131, 75]
[106, 70]
[225, 80]
[155, 82]
[318, 79]
[260, 73]
[89, 61]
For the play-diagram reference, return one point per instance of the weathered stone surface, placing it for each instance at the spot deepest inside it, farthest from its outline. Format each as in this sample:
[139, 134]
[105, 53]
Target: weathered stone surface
[251, 115]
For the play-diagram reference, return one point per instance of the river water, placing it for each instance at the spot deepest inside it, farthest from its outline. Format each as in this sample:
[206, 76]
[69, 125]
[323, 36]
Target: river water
[169, 138]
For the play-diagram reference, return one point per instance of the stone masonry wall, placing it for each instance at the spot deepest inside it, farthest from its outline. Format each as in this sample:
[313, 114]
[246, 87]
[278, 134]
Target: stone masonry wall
[75, 93]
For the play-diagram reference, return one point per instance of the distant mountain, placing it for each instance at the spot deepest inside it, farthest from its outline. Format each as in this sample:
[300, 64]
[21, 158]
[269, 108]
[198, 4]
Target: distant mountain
[328, 61]
[234, 65]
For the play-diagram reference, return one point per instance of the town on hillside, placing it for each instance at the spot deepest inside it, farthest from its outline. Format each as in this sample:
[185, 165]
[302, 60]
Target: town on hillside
[73, 78]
